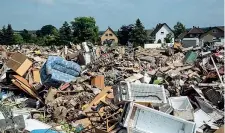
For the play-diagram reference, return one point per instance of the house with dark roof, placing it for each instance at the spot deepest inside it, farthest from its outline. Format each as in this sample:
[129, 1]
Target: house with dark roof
[160, 32]
[109, 36]
[195, 32]
[215, 34]
[198, 36]
[191, 38]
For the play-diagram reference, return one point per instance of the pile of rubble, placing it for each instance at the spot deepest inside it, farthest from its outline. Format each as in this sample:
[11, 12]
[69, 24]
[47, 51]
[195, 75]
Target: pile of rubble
[85, 88]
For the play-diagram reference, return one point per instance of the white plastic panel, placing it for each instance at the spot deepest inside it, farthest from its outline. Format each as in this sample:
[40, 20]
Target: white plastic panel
[142, 92]
[201, 117]
[147, 120]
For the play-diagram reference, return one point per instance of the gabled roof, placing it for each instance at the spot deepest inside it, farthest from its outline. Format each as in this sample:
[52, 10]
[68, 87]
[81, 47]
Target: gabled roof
[110, 30]
[221, 27]
[217, 35]
[196, 30]
[149, 32]
[158, 27]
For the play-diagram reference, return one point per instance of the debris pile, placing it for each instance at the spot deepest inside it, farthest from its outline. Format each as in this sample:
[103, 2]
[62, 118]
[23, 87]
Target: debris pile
[98, 89]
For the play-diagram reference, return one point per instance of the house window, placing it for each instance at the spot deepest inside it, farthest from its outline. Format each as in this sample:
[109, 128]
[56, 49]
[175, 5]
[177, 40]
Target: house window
[110, 35]
[106, 34]
[162, 33]
[214, 31]
[191, 35]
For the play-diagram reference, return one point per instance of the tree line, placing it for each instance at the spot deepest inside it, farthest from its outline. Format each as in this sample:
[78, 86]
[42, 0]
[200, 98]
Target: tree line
[79, 30]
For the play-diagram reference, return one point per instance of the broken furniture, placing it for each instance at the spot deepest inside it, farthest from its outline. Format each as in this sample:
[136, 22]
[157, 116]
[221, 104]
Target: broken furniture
[105, 118]
[58, 70]
[24, 85]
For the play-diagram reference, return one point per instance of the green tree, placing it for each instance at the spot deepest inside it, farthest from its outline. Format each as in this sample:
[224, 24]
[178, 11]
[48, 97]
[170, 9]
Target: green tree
[138, 34]
[39, 40]
[38, 33]
[9, 35]
[168, 38]
[124, 34]
[178, 29]
[85, 29]
[65, 33]
[17, 39]
[2, 36]
[47, 35]
[48, 30]
[27, 37]
[50, 40]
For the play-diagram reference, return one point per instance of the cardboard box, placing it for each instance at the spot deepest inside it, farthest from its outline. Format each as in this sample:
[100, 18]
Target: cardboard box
[98, 81]
[36, 76]
[19, 63]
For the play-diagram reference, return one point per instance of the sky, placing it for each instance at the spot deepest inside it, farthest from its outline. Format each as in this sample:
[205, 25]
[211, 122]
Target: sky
[33, 14]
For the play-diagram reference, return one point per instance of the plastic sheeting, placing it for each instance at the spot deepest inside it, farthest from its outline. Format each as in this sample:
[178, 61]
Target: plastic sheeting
[58, 70]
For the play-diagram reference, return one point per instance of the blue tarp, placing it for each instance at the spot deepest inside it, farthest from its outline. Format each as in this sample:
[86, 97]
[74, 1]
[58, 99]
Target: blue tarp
[58, 70]
[44, 131]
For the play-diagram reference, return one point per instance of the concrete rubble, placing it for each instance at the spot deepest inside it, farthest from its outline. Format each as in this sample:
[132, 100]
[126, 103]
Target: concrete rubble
[98, 89]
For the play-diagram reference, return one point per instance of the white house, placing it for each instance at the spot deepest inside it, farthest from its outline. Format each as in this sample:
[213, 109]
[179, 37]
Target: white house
[161, 31]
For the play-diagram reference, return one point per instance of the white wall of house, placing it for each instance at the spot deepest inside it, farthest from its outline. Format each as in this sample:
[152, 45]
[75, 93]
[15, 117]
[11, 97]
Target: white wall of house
[153, 45]
[157, 45]
[161, 34]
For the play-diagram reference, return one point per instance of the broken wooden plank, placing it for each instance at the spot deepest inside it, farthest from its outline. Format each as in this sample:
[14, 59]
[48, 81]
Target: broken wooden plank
[98, 98]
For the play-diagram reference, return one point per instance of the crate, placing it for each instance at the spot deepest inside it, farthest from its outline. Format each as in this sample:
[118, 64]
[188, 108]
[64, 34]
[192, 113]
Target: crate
[140, 92]
[182, 107]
